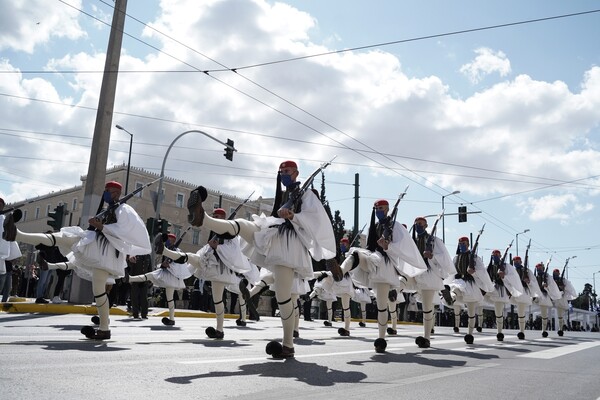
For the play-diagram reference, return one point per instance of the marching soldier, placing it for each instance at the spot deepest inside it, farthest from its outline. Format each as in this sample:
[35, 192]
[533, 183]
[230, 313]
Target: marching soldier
[220, 262]
[169, 275]
[506, 284]
[390, 258]
[439, 266]
[568, 293]
[466, 285]
[99, 253]
[285, 243]
[530, 290]
[548, 292]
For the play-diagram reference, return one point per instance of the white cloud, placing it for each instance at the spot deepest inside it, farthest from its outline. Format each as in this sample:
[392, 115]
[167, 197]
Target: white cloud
[486, 63]
[556, 207]
[25, 24]
[526, 127]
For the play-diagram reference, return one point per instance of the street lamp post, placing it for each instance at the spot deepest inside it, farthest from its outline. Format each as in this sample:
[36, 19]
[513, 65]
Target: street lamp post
[129, 159]
[162, 170]
[517, 239]
[443, 225]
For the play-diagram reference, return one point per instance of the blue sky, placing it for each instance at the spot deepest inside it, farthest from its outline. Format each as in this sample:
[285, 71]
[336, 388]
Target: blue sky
[508, 116]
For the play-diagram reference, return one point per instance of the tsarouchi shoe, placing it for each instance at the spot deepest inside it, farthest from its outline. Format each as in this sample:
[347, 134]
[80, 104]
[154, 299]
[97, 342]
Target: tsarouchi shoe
[95, 334]
[194, 205]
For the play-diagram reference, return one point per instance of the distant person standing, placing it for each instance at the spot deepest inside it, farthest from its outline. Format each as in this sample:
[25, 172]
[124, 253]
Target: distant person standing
[139, 265]
[48, 254]
[5, 289]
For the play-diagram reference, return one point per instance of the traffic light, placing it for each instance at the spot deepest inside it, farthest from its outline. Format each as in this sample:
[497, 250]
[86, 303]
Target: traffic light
[229, 150]
[156, 226]
[462, 214]
[56, 218]
[153, 226]
[163, 225]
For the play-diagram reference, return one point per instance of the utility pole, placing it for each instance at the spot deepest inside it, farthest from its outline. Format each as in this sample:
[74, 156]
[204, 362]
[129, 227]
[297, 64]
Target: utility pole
[80, 290]
[94, 184]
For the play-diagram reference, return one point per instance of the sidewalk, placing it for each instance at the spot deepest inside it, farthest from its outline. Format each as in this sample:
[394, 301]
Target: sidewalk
[28, 305]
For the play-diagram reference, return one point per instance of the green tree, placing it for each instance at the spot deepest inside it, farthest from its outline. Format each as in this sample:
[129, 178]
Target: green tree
[337, 223]
[585, 298]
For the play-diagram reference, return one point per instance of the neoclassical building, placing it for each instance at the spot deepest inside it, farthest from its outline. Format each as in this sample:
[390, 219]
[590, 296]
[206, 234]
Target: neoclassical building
[173, 207]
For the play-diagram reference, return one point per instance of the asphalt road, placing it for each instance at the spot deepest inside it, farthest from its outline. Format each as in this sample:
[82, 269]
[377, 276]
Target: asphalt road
[44, 356]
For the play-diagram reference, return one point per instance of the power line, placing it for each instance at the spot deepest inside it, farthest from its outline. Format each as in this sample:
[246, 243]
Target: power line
[361, 152]
[543, 181]
[292, 59]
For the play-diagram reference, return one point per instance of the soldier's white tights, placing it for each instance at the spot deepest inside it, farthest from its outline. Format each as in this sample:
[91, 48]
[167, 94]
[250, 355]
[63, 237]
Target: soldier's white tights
[521, 316]
[427, 303]
[471, 307]
[499, 314]
[217, 293]
[99, 278]
[346, 311]
[382, 291]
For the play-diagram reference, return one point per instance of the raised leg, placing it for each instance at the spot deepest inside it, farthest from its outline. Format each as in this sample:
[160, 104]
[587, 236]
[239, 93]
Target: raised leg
[47, 239]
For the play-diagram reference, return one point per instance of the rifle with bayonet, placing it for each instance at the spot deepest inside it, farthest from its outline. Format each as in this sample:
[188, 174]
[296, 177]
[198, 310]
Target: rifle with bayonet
[503, 260]
[561, 282]
[298, 192]
[474, 248]
[431, 238]
[15, 208]
[178, 242]
[526, 263]
[174, 246]
[545, 277]
[388, 226]
[357, 235]
[110, 209]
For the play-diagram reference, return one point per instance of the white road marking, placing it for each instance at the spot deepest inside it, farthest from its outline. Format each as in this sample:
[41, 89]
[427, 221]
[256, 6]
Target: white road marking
[444, 374]
[561, 351]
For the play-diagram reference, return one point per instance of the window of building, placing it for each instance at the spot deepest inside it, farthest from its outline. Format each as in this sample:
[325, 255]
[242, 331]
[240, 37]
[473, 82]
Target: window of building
[37, 212]
[176, 230]
[137, 186]
[179, 200]
[24, 215]
[195, 236]
[48, 210]
[74, 204]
